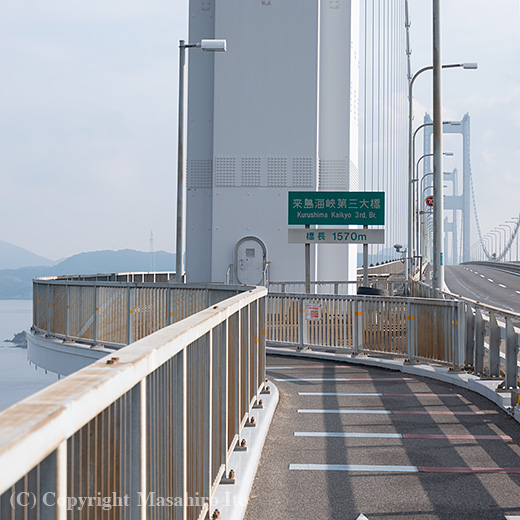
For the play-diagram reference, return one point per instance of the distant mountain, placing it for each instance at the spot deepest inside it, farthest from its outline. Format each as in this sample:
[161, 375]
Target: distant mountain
[13, 257]
[17, 283]
[125, 260]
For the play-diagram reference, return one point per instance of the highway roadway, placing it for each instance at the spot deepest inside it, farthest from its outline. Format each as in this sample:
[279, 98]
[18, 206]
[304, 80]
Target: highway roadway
[348, 440]
[485, 284]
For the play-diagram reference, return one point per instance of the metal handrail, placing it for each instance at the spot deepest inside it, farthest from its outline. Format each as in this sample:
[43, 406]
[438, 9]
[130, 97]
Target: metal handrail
[400, 327]
[492, 336]
[116, 313]
[386, 282]
[162, 417]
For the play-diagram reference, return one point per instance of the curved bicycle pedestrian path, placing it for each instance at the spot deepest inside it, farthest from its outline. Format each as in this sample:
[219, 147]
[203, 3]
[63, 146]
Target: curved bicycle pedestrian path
[349, 440]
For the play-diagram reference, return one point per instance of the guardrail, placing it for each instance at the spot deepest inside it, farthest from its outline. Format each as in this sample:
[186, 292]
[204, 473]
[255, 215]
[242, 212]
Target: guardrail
[116, 309]
[389, 283]
[492, 336]
[412, 328]
[160, 420]
[512, 267]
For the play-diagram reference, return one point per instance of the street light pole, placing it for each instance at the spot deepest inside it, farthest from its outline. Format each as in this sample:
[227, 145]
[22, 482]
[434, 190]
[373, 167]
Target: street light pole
[517, 233]
[180, 169]
[496, 237]
[504, 227]
[502, 244]
[489, 246]
[417, 195]
[438, 205]
[411, 148]
[205, 45]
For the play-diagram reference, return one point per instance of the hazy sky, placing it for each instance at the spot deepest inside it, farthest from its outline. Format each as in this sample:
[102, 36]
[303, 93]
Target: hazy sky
[88, 131]
[487, 32]
[88, 115]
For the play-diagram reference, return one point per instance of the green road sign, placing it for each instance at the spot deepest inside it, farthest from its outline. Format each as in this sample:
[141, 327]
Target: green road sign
[337, 207]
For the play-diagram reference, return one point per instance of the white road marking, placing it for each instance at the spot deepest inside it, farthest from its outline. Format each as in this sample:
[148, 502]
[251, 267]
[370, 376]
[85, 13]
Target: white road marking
[405, 469]
[352, 467]
[361, 517]
[315, 379]
[482, 276]
[422, 436]
[502, 285]
[378, 412]
[489, 280]
[350, 435]
[372, 394]
[345, 394]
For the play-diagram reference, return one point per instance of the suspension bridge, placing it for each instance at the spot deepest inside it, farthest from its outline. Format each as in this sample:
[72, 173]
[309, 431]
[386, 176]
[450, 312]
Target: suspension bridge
[270, 379]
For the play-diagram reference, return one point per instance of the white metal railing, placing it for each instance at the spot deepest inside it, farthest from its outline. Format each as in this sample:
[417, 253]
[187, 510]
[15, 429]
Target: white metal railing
[116, 309]
[159, 420]
[492, 336]
[412, 328]
[388, 283]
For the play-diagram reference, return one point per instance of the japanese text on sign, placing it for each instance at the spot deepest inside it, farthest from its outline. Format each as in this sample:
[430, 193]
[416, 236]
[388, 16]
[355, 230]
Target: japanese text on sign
[347, 207]
[337, 236]
[312, 311]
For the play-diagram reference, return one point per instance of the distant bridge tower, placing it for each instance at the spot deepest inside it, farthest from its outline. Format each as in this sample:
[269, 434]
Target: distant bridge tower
[277, 112]
[451, 226]
[456, 202]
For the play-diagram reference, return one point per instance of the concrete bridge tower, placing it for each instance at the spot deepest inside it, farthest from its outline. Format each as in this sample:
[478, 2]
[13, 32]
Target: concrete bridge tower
[455, 202]
[277, 112]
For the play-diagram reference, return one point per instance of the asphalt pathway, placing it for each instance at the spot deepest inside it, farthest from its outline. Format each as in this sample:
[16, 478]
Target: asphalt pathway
[348, 440]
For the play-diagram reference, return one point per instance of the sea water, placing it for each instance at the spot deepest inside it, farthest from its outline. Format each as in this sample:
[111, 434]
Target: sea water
[18, 379]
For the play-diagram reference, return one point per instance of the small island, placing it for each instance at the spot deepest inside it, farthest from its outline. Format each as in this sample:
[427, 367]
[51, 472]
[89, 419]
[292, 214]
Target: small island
[20, 339]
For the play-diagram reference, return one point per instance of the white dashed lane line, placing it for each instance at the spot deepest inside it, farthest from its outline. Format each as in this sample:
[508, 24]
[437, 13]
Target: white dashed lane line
[502, 285]
[489, 280]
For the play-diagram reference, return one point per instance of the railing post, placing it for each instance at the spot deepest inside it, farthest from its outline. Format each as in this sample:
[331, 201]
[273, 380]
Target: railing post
[357, 323]
[181, 433]
[480, 331]
[53, 485]
[459, 335]
[36, 301]
[95, 313]
[262, 326]
[256, 344]
[224, 384]
[238, 374]
[138, 449]
[494, 346]
[67, 322]
[469, 358]
[301, 322]
[169, 306]
[208, 413]
[48, 308]
[411, 343]
[248, 348]
[511, 356]
[129, 338]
